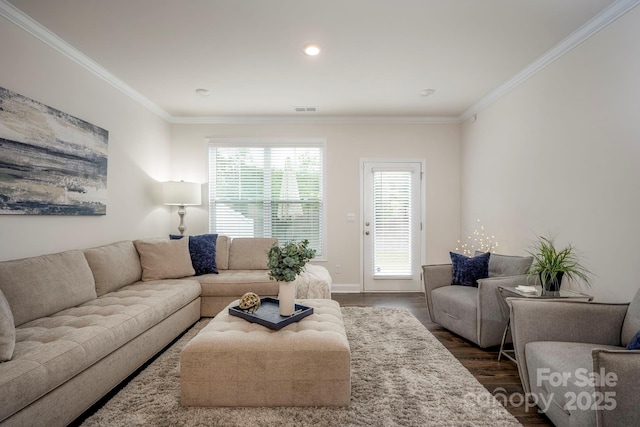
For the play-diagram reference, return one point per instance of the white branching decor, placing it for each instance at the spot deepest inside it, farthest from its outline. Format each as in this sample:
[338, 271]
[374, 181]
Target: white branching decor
[479, 240]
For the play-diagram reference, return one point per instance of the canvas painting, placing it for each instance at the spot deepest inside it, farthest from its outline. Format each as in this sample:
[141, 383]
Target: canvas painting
[51, 163]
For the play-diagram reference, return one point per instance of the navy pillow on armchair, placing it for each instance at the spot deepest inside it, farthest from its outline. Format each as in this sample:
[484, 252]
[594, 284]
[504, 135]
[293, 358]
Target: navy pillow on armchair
[467, 271]
[202, 249]
[634, 344]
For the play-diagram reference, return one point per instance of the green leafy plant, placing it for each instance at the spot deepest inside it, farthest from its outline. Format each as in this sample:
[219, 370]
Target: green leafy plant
[287, 261]
[549, 262]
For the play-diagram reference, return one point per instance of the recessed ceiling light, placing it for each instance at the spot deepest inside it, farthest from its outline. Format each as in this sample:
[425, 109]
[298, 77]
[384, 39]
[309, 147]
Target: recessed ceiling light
[309, 109]
[203, 92]
[426, 92]
[311, 49]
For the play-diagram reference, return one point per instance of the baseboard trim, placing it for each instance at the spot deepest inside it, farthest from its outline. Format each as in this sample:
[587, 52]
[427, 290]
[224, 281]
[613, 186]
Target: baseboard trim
[345, 288]
[355, 288]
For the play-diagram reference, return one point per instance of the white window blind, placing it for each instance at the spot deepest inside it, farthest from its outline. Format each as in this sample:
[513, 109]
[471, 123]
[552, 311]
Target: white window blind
[267, 190]
[392, 223]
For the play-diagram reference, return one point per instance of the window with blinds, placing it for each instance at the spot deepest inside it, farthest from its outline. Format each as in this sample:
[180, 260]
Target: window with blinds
[267, 190]
[392, 223]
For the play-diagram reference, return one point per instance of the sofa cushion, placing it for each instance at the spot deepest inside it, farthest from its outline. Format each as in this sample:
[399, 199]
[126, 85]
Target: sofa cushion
[51, 350]
[467, 271]
[114, 266]
[250, 253]
[508, 265]
[222, 252]
[7, 330]
[164, 258]
[234, 283]
[39, 286]
[202, 249]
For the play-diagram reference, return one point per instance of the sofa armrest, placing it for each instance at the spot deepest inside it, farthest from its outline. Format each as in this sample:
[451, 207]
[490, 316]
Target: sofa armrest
[493, 312]
[556, 320]
[435, 276]
[619, 388]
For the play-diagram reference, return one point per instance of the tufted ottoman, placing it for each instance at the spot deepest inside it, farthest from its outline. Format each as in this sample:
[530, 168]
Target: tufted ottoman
[232, 362]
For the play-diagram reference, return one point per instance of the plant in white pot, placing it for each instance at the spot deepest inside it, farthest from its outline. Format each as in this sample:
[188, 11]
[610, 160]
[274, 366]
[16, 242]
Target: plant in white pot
[285, 264]
[550, 265]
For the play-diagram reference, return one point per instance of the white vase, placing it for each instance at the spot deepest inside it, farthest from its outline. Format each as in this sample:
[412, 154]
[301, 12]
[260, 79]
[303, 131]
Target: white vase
[287, 297]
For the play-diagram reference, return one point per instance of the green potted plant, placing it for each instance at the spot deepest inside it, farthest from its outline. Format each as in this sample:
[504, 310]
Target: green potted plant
[285, 263]
[551, 265]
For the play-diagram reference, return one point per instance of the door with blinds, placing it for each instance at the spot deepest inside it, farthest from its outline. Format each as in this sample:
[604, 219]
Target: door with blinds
[391, 226]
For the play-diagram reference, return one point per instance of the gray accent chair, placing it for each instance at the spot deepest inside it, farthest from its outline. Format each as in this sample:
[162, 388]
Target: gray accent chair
[558, 339]
[478, 314]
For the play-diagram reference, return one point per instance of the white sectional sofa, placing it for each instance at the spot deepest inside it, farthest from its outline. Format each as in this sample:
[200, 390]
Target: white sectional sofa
[75, 324]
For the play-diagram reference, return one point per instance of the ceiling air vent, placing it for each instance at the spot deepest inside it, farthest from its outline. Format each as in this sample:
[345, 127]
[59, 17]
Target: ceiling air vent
[305, 109]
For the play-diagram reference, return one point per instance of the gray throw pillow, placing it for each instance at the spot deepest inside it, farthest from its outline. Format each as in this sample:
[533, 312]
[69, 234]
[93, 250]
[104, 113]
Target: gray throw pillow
[7, 330]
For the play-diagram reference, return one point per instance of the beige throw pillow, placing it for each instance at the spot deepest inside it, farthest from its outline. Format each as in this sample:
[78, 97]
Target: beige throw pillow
[164, 258]
[7, 330]
[250, 253]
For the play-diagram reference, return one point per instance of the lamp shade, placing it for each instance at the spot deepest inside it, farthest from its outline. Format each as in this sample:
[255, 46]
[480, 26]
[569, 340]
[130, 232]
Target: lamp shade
[181, 193]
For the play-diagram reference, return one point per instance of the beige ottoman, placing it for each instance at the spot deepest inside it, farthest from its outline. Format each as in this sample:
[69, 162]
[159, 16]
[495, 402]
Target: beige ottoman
[232, 362]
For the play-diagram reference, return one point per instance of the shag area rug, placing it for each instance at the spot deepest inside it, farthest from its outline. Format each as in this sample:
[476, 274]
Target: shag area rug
[401, 375]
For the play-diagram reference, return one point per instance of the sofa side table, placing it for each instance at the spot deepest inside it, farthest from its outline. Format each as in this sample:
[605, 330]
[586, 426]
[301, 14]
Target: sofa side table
[507, 292]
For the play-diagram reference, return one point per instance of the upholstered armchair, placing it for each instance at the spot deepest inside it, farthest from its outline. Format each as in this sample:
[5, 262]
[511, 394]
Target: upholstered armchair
[478, 314]
[560, 344]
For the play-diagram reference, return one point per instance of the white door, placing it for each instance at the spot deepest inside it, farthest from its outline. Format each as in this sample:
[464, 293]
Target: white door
[391, 226]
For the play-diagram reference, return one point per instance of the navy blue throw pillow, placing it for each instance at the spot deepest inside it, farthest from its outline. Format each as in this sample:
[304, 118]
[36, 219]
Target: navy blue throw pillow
[202, 249]
[634, 344]
[467, 271]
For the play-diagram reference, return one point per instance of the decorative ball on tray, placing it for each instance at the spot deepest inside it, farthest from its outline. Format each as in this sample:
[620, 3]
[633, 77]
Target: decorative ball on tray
[250, 302]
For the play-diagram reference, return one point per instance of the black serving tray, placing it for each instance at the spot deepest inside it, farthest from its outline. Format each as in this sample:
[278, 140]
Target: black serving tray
[268, 314]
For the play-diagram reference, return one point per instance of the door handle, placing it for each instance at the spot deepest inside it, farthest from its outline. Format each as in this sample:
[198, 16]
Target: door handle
[366, 233]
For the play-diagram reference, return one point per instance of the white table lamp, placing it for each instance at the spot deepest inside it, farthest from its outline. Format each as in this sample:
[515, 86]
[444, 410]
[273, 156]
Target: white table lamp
[180, 193]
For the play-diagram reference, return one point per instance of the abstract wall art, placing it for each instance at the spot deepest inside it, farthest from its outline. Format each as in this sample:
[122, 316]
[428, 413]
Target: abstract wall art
[51, 163]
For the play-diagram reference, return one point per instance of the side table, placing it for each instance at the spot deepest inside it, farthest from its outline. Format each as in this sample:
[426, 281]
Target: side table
[507, 292]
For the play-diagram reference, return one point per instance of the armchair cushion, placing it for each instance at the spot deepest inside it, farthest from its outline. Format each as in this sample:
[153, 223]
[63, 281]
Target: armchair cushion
[560, 375]
[455, 308]
[467, 271]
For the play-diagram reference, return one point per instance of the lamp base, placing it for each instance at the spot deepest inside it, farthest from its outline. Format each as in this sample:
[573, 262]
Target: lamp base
[182, 211]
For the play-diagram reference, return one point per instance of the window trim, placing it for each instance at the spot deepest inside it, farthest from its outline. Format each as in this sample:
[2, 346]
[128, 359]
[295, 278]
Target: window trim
[279, 142]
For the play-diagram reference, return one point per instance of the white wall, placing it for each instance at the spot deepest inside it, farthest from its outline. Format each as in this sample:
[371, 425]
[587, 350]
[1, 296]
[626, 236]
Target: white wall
[138, 151]
[439, 145]
[560, 154]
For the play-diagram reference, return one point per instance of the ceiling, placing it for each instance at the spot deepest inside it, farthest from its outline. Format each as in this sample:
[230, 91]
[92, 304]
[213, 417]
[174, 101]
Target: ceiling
[377, 55]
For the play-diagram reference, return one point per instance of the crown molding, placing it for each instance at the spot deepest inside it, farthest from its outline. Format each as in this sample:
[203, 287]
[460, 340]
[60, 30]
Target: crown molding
[26, 23]
[610, 14]
[253, 120]
[17, 17]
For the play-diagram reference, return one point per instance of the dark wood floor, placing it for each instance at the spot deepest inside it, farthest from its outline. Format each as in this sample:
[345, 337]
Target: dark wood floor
[483, 364]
